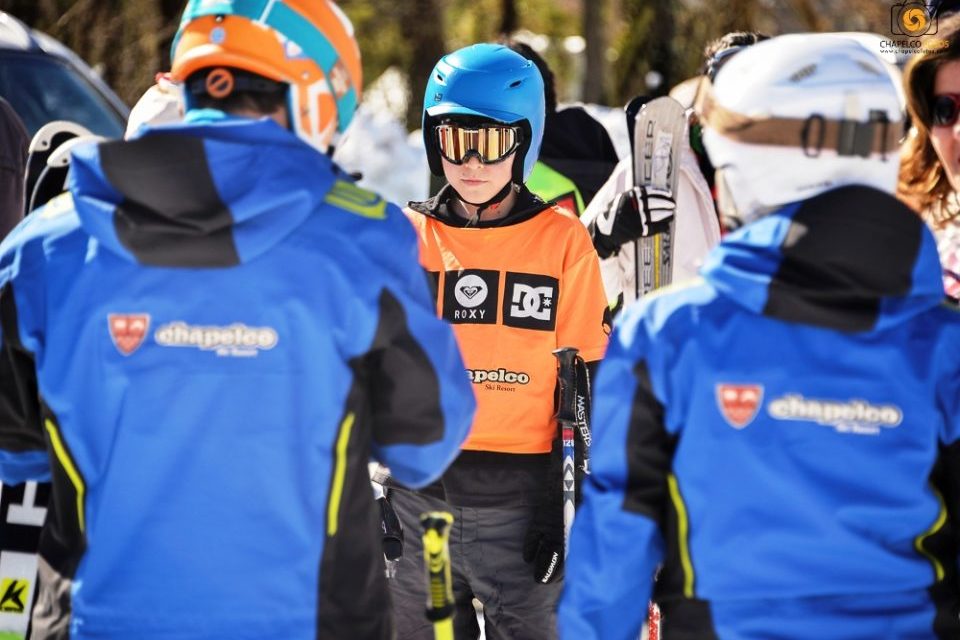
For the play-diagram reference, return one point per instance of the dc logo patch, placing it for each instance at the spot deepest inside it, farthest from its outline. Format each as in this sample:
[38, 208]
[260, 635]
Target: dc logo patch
[530, 301]
[738, 403]
[470, 296]
[127, 330]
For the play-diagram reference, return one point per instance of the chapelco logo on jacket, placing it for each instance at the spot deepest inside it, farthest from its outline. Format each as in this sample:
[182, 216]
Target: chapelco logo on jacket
[738, 403]
[127, 330]
[236, 339]
[846, 416]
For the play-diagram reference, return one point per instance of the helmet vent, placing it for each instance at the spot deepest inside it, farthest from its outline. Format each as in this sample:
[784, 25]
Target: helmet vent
[868, 68]
[516, 83]
[803, 73]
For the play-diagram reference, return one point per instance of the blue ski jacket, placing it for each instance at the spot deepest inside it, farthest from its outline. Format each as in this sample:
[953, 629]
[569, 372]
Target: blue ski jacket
[783, 437]
[204, 342]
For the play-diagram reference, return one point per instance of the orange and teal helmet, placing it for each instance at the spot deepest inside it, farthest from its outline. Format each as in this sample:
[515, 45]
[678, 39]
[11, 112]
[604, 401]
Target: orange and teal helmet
[305, 44]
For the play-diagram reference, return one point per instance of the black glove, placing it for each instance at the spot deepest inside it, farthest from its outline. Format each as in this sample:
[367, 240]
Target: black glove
[543, 544]
[635, 213]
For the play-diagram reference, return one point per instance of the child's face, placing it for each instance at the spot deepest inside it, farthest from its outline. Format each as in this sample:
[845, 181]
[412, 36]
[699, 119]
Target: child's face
[477, 182]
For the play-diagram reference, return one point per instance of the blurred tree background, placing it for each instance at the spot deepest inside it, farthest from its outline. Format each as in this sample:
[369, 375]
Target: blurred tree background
[602, 51]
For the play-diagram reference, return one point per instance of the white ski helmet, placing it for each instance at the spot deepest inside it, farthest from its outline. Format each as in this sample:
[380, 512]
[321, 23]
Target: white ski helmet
[797, 115]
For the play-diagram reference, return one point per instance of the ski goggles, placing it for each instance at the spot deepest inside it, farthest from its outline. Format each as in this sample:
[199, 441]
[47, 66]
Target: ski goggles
[490, 143]
[945, 109]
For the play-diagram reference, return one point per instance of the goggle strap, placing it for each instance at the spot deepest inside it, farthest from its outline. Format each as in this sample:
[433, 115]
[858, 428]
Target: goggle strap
[813, 134]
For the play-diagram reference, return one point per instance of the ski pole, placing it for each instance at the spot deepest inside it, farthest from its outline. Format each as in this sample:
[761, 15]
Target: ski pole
[436, 558]
[583, 413]
[567, 421]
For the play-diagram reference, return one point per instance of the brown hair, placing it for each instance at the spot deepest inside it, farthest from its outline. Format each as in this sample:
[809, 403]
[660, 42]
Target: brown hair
[923, 181]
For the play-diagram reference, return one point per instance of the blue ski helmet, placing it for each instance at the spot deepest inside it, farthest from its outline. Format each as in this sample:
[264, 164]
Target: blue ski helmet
[492, 82]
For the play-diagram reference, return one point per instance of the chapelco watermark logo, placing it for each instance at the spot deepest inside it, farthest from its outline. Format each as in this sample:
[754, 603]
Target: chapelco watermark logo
[908, 22]
[913, 19]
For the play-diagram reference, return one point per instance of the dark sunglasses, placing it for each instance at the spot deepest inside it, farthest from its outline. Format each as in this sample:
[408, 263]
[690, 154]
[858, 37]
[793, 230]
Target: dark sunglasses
[945, 109]
[490, 143]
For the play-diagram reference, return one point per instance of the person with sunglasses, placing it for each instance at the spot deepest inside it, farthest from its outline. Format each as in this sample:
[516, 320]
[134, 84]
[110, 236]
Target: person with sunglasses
[779, 440]
[518, 278]
[930, 169]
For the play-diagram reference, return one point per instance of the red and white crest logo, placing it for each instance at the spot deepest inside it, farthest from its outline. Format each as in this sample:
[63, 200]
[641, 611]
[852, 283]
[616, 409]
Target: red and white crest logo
[127, 330]
[739, 403]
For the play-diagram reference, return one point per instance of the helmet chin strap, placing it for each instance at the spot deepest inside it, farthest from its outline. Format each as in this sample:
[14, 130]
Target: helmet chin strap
[499, 197]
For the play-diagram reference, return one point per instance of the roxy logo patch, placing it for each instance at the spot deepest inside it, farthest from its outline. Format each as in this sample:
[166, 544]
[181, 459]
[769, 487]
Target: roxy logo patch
[470, 296]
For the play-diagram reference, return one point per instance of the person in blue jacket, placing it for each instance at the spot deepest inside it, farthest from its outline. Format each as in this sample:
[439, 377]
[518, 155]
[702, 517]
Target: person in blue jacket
[782, 436]
[206, 340]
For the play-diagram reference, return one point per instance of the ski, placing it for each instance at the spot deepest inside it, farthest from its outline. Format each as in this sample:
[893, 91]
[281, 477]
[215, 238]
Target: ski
[23, 509]
[658, 134]
[631, 110]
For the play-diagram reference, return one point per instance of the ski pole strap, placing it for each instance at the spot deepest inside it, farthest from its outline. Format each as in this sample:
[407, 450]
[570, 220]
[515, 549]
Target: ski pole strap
[436, 558]
[812, 134]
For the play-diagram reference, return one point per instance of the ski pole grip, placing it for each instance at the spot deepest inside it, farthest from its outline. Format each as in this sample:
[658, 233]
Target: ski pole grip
[567, 376]
[436, 557]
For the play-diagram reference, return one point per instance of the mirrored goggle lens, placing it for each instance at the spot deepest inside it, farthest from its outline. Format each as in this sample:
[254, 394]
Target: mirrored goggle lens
[490, 144]
[945, 110]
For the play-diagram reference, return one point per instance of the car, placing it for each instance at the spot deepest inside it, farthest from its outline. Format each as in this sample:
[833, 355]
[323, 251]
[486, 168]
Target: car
[45, 81]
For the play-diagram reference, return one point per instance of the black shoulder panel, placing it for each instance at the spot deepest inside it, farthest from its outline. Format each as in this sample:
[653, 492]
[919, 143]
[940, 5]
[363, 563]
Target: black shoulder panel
[404, 389]
[353, 598]
[831, 274]
[943, 544]
[20, 424]
[63, 540]
[649, 452]
[171, 214]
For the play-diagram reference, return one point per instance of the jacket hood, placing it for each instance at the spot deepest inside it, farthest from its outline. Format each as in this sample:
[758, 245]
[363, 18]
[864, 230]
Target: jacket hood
[853, 259]
[213, 191]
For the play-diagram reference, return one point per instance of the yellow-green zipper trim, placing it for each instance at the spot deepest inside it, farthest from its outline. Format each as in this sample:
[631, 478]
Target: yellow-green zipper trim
[936, 526]
[339, 473]
[75, 478]
[683, 533]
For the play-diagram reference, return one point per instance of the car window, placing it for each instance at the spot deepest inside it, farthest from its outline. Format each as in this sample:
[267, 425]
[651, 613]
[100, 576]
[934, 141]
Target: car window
[41, 88]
